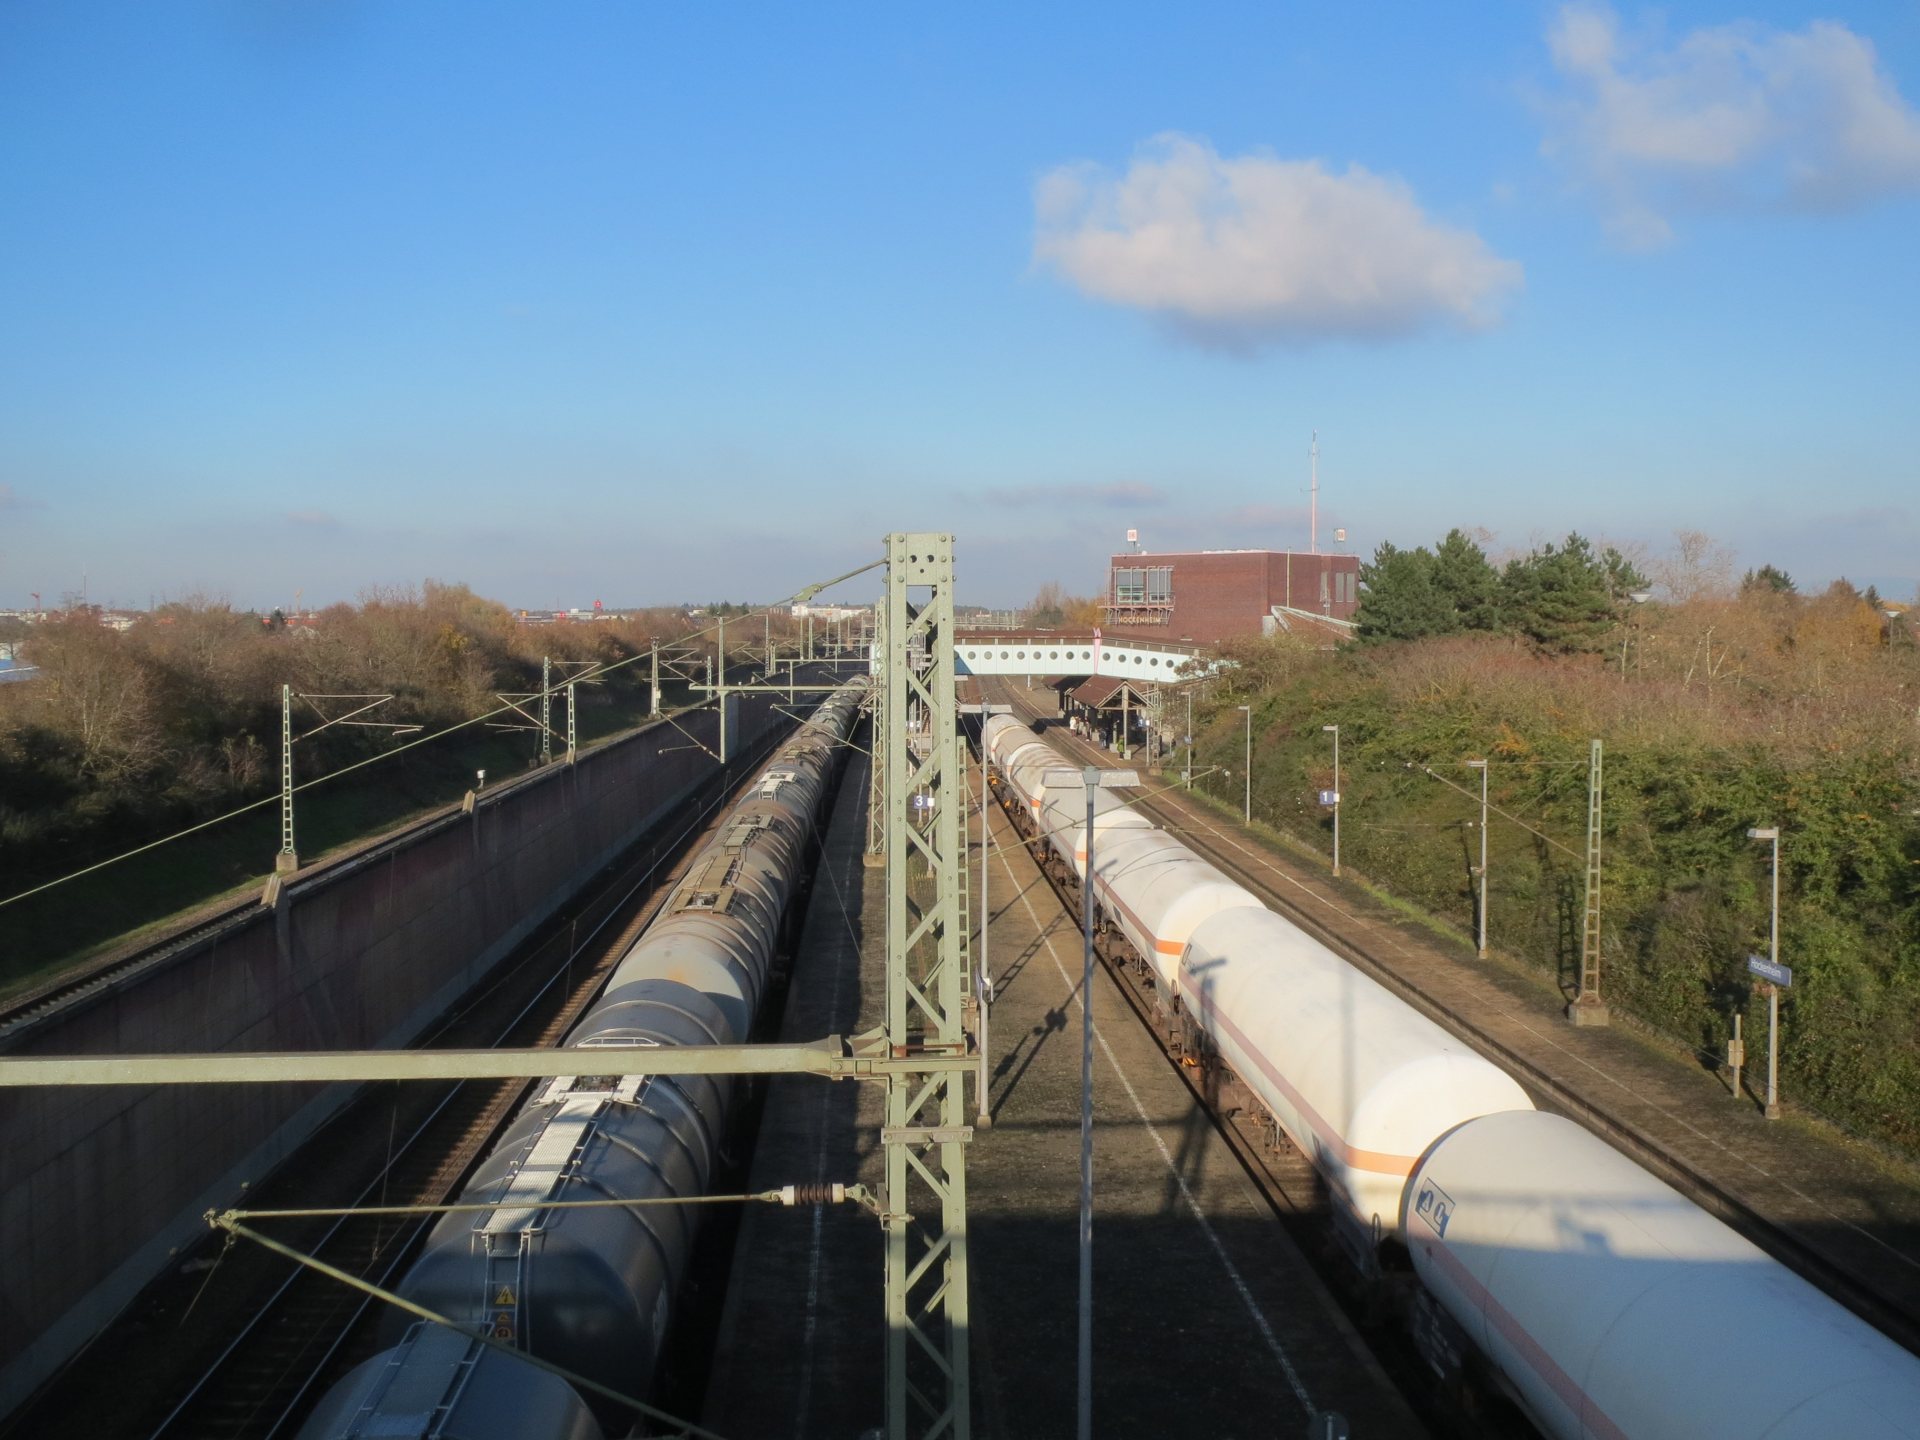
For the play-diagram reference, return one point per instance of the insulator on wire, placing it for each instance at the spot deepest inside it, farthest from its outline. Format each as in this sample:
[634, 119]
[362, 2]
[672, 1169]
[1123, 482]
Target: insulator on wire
[819, 1192]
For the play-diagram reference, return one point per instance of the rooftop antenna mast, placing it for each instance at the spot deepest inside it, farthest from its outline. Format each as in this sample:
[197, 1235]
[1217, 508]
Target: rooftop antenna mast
[1313, 502]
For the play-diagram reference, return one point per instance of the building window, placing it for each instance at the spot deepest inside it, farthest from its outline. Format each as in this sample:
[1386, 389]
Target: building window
[1129, 586]
[1160, 585]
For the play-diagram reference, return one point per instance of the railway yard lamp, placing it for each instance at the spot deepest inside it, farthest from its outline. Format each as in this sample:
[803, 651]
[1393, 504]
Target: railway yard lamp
[1248, 808]
[1095, 779]
[1334, 730]
[1186, 775]
[1773, 972]
[1481, 766]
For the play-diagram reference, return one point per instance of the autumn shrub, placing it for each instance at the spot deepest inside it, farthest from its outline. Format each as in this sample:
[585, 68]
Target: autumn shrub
[1723, 715]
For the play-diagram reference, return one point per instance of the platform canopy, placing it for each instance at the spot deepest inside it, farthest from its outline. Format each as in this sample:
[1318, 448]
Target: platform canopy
[1045, 653]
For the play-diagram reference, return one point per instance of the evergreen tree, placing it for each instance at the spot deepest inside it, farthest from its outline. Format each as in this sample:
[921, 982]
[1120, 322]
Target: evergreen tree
[1397, 596]
[1623, 578]
[1559, 596]
[1767, 579]
[1465, 585]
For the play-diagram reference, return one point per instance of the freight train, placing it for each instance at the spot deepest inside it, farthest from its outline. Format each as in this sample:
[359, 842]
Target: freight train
[1603, 1302]
[593, 1289]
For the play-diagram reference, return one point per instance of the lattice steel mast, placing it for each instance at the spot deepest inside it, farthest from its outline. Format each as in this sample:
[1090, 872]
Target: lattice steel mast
[926, 1131]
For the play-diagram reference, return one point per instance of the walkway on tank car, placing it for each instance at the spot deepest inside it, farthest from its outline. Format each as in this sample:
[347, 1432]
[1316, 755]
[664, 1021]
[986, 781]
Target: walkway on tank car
[1207, 1320]
[1832, 1202]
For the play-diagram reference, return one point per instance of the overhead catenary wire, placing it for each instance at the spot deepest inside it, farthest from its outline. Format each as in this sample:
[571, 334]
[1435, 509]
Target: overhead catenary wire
[1507, 815]
[684, 1428]
[804, 593]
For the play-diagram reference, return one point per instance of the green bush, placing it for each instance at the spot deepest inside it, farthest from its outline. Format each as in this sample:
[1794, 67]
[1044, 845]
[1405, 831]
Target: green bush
[1684, 893]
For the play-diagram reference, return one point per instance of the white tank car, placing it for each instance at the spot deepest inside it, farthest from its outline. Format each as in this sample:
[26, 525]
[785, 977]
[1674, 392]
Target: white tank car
[1362, 1082]
[1004, 735]
[1156, 890]
[1025, 767]
[1063, 817]
[1618, 1308]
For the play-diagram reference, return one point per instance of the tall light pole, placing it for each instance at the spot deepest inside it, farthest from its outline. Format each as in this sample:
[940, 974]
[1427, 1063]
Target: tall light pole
[1094, 779]
[1249, 776]
[1334, 730]
[1481, 766]
[1771, 833]
[1187, 775]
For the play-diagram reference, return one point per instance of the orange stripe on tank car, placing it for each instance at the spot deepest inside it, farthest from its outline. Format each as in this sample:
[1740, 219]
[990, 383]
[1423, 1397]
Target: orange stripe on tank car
[1375, 1161]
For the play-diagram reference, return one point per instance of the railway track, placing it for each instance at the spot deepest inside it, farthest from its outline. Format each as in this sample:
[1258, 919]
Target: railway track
[283, 1334]
[1857, 1293]
[121, 968]
[24, 1011]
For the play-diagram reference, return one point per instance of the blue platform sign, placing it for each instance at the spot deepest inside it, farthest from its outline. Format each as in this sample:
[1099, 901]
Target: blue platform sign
[1768, 970]
[1329, 797]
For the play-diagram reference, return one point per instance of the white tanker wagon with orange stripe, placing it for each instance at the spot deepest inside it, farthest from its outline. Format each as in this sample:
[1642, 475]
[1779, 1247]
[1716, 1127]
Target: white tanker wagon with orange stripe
[1360, 1082]
[1605, 1303]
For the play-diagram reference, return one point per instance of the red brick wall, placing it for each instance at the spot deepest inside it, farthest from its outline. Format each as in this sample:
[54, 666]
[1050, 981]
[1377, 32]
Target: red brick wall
[1225, 593]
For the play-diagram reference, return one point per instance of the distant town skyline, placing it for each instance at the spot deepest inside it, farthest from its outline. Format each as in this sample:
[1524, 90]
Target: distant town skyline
[663, 307]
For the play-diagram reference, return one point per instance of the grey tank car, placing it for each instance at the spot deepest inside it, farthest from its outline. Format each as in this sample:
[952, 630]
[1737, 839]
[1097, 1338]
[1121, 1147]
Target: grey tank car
[593, 1290]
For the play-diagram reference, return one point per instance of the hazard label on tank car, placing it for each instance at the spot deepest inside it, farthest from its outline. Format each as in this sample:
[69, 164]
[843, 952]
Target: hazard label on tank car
[505, 1297]
[1434, 1206]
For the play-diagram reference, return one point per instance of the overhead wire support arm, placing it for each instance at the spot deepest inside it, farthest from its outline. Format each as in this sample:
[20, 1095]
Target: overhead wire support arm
[288, 859]
[834, 1058]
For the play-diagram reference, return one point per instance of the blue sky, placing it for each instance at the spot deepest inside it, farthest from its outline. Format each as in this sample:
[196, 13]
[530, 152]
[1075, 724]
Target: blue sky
[651, 303]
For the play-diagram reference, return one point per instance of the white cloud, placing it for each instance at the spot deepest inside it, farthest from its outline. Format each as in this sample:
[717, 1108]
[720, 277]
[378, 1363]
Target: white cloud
[1739, 117]
[1253, 249]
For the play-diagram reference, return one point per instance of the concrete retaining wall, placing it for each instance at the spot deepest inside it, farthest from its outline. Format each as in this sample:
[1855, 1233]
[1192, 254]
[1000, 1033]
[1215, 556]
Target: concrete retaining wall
[99, 1186]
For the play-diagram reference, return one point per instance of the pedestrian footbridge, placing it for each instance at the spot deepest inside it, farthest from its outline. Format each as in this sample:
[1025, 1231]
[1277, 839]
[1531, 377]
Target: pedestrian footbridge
[998, 652]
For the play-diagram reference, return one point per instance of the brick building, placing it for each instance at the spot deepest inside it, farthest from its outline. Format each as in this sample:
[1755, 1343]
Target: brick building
[1208, 595]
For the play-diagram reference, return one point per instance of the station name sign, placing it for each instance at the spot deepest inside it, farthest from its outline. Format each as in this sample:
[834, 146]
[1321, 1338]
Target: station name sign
[1770, 970]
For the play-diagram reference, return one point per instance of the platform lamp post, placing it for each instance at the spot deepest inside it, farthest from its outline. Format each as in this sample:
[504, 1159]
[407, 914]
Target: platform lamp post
[1771, 833]
[1187, 774]
[1248, 807]
[1334, 730]
[1095, 779]
[1481, 766]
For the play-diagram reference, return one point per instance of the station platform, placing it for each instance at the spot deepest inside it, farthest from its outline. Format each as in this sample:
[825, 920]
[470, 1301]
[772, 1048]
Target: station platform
[1855, 1206]
[1207, 1319]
